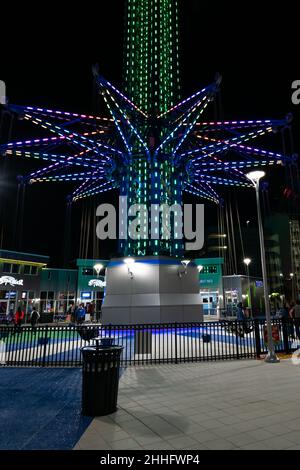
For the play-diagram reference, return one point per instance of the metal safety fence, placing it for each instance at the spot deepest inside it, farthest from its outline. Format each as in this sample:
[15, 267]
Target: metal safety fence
[59, 345]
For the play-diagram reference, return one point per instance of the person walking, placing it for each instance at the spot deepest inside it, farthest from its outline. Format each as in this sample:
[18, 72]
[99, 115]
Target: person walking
[10, 317]
[80, 314]
[292, 319]
[297, 318]
[19, 316]
[284, 312]
[240, 312]
[34, 317]
[292, 310]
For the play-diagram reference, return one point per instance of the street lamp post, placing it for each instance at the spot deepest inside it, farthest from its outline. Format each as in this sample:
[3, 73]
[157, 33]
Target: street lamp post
[97, 267]
[293, 288]
[247, 261]
[255, 177]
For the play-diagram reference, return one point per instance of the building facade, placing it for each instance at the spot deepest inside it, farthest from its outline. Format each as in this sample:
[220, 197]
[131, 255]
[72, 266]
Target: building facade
[26, 281]
[248, 290]
[284, 276]
[58, 292]
[221, 294]
[210, 284]
[91, 282]
[20, 280]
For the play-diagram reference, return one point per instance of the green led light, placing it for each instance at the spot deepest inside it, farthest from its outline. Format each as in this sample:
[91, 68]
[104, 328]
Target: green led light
[151, 76]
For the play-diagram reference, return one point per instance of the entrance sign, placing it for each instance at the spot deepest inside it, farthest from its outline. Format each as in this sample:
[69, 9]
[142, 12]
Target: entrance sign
[97, 283]
[12, 281]
[86, 295]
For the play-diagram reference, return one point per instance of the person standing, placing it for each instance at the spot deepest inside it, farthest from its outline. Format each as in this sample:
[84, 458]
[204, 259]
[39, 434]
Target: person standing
[34, 317]
[91, 311]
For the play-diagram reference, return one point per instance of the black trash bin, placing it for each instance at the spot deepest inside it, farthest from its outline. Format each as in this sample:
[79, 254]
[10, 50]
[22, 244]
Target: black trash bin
[88, 333]
[206, 338]
[100, 379]
[106, 342]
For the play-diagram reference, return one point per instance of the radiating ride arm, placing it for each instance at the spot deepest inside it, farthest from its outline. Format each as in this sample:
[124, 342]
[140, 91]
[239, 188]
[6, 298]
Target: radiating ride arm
[88, 176]
[76, 160]
[92, 190]
[73, 137]
[224, 145]
[124, 112]
[187, 120]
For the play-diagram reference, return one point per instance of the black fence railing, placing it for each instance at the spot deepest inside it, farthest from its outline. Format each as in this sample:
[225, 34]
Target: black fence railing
[59, 346]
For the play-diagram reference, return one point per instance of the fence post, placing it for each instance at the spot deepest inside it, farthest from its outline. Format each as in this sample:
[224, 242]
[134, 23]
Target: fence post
[285, 334]
[257, 338]
[45, 346]
[176, 356]
[237, 339]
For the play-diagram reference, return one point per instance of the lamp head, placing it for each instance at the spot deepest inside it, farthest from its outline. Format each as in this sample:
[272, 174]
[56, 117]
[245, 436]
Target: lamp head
[185, 262]
[129, 261]
[247, 261]
[255, 176]
[98, 267]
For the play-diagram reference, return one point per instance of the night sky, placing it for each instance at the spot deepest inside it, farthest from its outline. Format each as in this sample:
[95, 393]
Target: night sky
[46, 57]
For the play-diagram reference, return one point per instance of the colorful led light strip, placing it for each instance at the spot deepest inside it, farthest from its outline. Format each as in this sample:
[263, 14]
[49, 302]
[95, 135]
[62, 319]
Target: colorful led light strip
[205, 189]
[187, 115]
[32, 109]
[68, 159]
[89, 176]
[238, 124]
[72, 136]
[228, 143]
[222, 181]
[190, 126]
[214, 166]
[125, 117]
[128, 148]
[94, 191]
[110, 85]
[184, 102]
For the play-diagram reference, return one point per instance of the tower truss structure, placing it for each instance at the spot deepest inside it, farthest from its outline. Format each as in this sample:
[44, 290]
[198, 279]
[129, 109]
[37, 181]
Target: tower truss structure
[151, 145]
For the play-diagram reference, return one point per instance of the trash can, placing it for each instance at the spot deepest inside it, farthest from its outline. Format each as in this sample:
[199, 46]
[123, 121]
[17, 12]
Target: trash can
[106, 342]
[88, 333]
[100, 379]
[206, 338]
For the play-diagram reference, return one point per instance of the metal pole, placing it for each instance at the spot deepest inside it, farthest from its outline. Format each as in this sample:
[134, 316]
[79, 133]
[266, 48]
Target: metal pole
[271, 356]
[249, 292]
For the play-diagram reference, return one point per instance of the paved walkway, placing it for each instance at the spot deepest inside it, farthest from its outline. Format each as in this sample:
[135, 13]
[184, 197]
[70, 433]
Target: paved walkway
[40, 408]
[222, 405]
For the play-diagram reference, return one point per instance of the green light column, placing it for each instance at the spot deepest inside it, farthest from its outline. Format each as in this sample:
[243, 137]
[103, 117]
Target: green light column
[151, 76]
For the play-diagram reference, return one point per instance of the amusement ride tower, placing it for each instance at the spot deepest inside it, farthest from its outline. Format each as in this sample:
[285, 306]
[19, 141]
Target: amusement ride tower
[151, 147]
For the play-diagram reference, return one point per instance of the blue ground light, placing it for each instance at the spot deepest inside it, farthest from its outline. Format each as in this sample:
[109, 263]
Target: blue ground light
[40, 408]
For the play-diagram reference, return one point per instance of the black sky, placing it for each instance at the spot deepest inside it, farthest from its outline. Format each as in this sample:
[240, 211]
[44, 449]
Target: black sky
[47, 50]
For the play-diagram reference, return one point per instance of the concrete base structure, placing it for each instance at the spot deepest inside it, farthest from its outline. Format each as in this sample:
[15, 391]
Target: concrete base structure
[155, 289]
